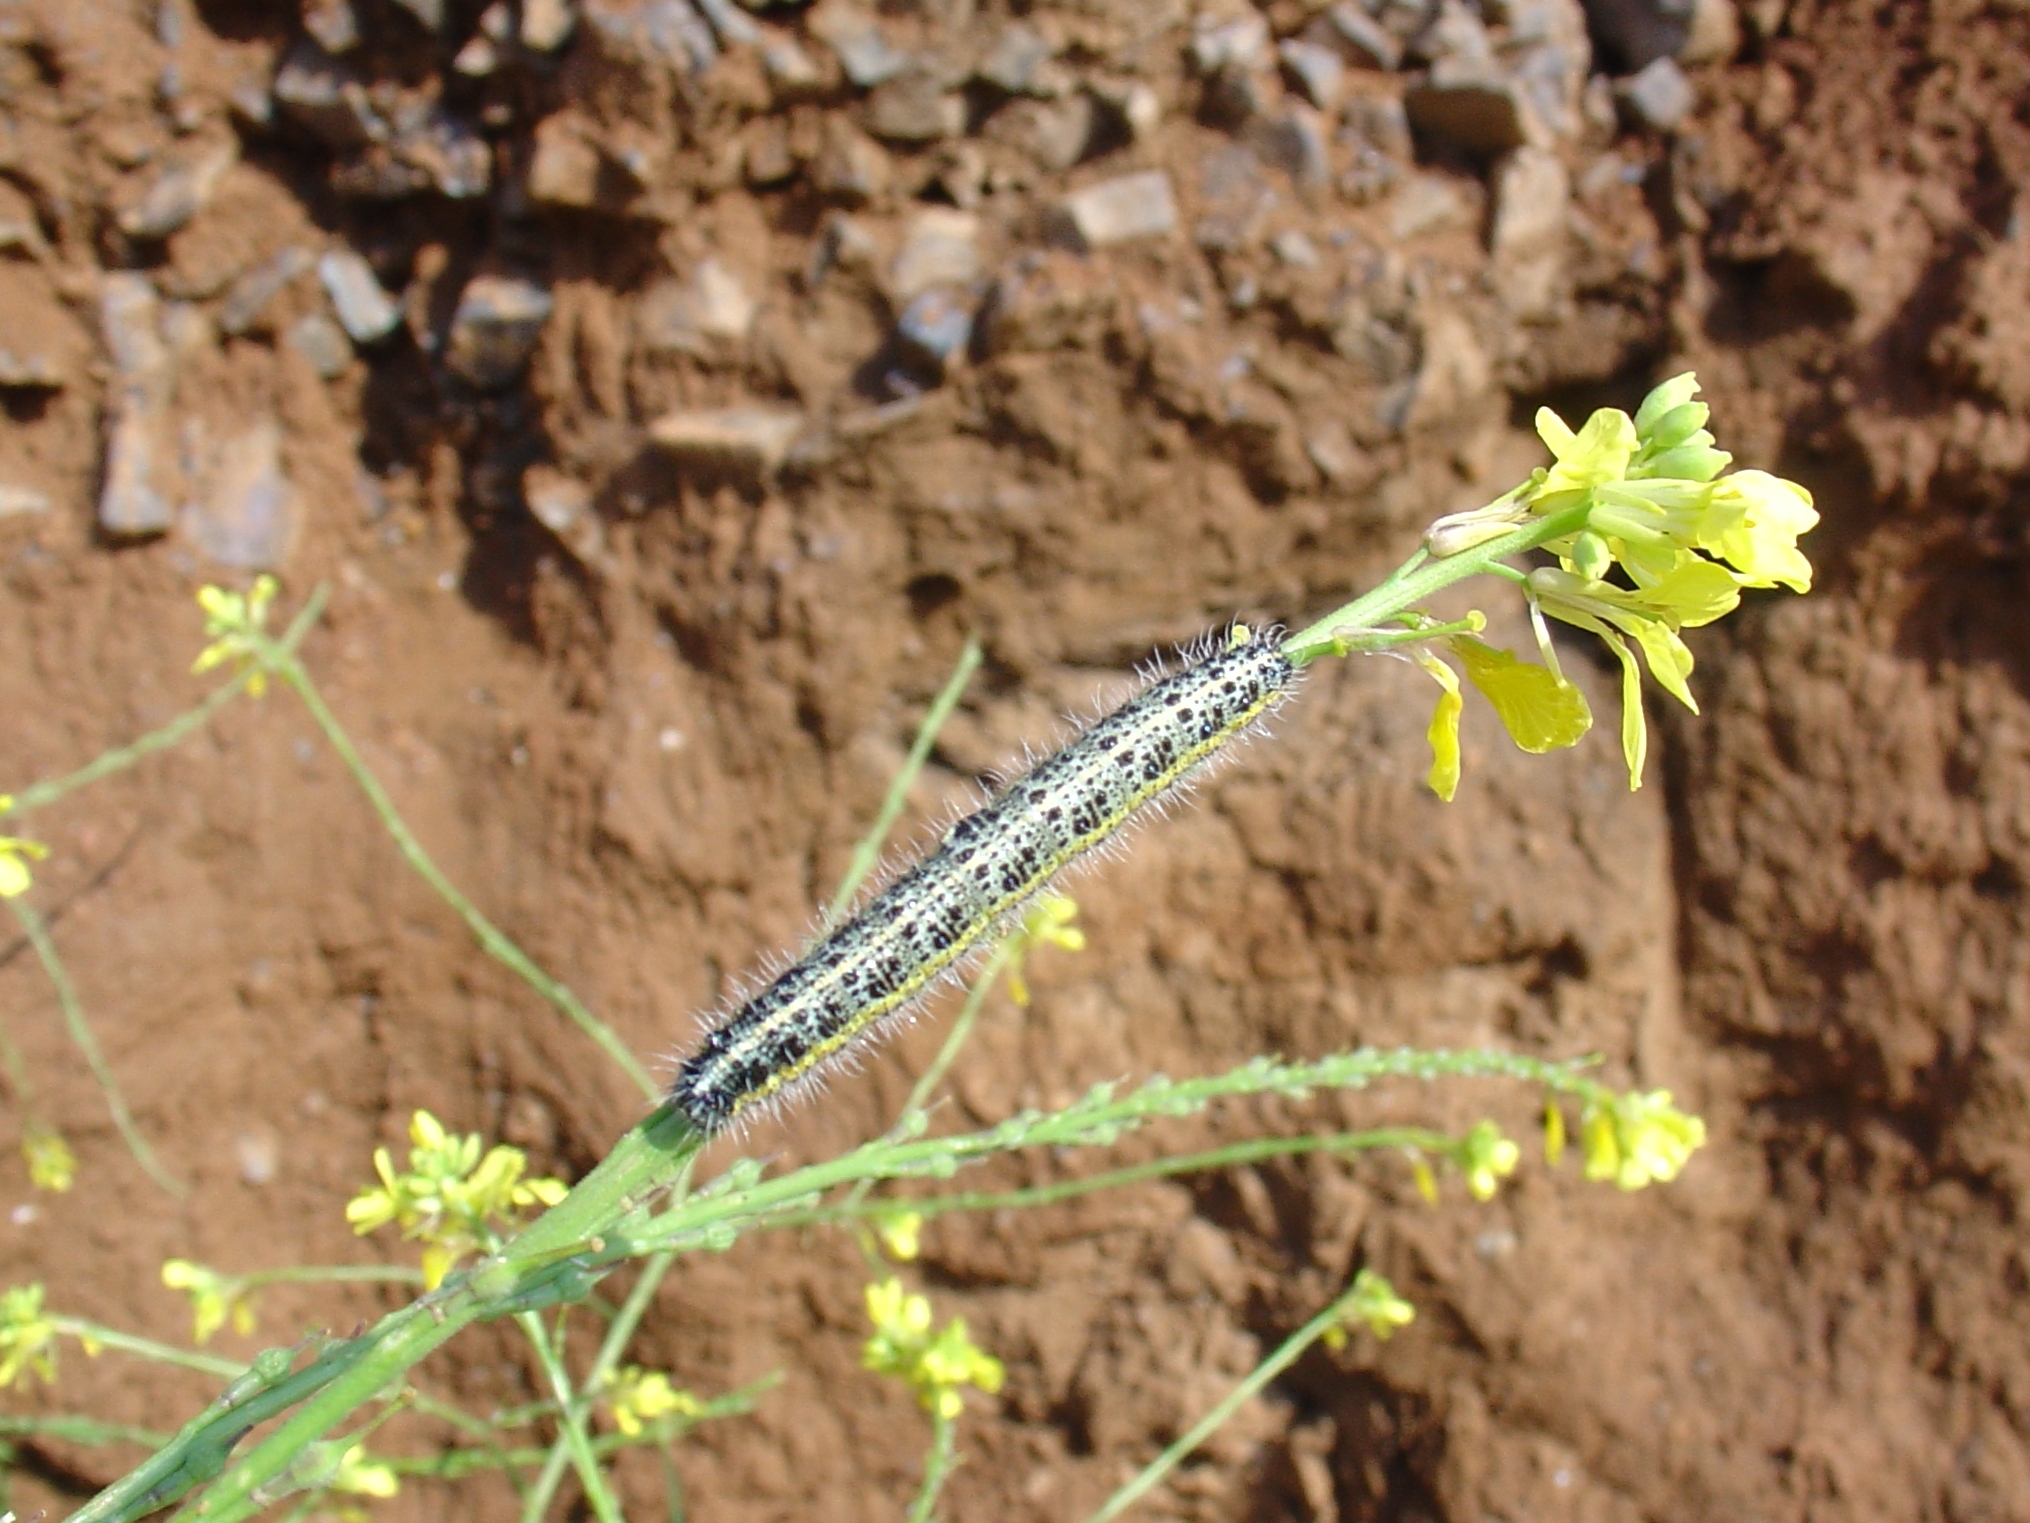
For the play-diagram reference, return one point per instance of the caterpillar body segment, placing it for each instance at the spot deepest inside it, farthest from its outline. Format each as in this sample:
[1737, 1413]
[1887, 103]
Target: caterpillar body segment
[924, 926]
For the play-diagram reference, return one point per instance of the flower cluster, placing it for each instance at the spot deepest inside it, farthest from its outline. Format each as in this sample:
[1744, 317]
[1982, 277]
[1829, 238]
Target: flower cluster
[52, 1166]
[1486, 1158]
[236, 624]
[1661, 541]
[449, 1196]
[1048, 922]
[935, 1365]
[639, 1399]
[1372, 1302]
[1637, 1139]
[27, 1336]
[215, 1299]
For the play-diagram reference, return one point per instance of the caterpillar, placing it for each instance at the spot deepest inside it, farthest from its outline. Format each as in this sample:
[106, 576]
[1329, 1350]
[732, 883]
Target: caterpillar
[923, 926]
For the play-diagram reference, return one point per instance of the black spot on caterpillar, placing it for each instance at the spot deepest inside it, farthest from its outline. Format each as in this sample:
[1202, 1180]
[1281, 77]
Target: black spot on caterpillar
[923, 926]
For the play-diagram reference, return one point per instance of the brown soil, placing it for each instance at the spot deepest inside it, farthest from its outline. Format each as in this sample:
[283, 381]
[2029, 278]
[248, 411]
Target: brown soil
[646, 742]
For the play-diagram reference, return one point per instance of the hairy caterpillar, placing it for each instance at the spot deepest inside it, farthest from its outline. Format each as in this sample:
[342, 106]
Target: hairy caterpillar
[925, 924]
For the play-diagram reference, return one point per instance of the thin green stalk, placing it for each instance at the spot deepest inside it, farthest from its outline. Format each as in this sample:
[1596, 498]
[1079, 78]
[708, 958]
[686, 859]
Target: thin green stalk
[938, 1466]
[293, 672]
[92, 1334]
[1353, 625]
[955, 1039]
[33, 926]
[1287, 1354]
[80, 1430]
[1233, 1156]
[618, 1334]
[868, 853]
[571, 1430]
[331, 1274]
[41, 795]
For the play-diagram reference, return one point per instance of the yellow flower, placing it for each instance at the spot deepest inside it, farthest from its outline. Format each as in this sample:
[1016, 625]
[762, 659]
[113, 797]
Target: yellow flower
[901, 1234]
[215, 1299]
[1047, 922]
[639, 1398]
[236, 623]
[1753, 521]
[935, 1366]
[364, 1477]
[51, 1164]
[1373, 1301]
[16, 852]
[450, 1196]
[1486, 1157]
[27, 1336]
[1637, 1139]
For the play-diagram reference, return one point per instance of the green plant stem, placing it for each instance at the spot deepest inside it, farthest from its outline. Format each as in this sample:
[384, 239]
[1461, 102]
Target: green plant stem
[868, 853]
[293, 672]
[1233, 1156]
[618, 1334]
[1286, 1354]
[41, 795]
[331, 1274]
[1353, 626]
[605, 1218]
[146, 1348]
[571, 1431]
[80, 1430]
[938, 1466]
[37, 932]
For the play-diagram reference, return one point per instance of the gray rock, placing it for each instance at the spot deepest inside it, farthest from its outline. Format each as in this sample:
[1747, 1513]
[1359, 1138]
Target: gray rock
[1384, 125]
[851, 166]
[248, 297]
[429, 12]
[1121, 209]
[937, 324]
[1316, 70]
[1294, 141]
[1239, 43]
[790, 69]
[914, 107]
[866, 54]
[547, 24]
[1660, 95]
[751, 442]
[332, 23]
[495, 329]
[1477, 111]
[1016, 60]
[563, 505]
[179, 193]
[134, 493]
[326, 98]
[365, 310]
[246, 515]
[1632, 34]
[322, 342]
[692, 316]
[28, 372]
[448, 152]
[20, 500]
[478, 58]
[1428, 203]
[1453, 370]
[1056, 133]
[1295, 249]
[733, 26]
[1532, 197]
[1455, 33]
[941, 248]
[1357, 37]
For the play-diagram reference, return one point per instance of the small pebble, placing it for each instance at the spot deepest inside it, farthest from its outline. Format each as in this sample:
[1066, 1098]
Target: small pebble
[18, 500]
[1118, 210]
[546, 24]
[364, 308]
[1659, 95]
[246, 515]
[248, 297]
[495, 329]
[752, 441]
[322, 342]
